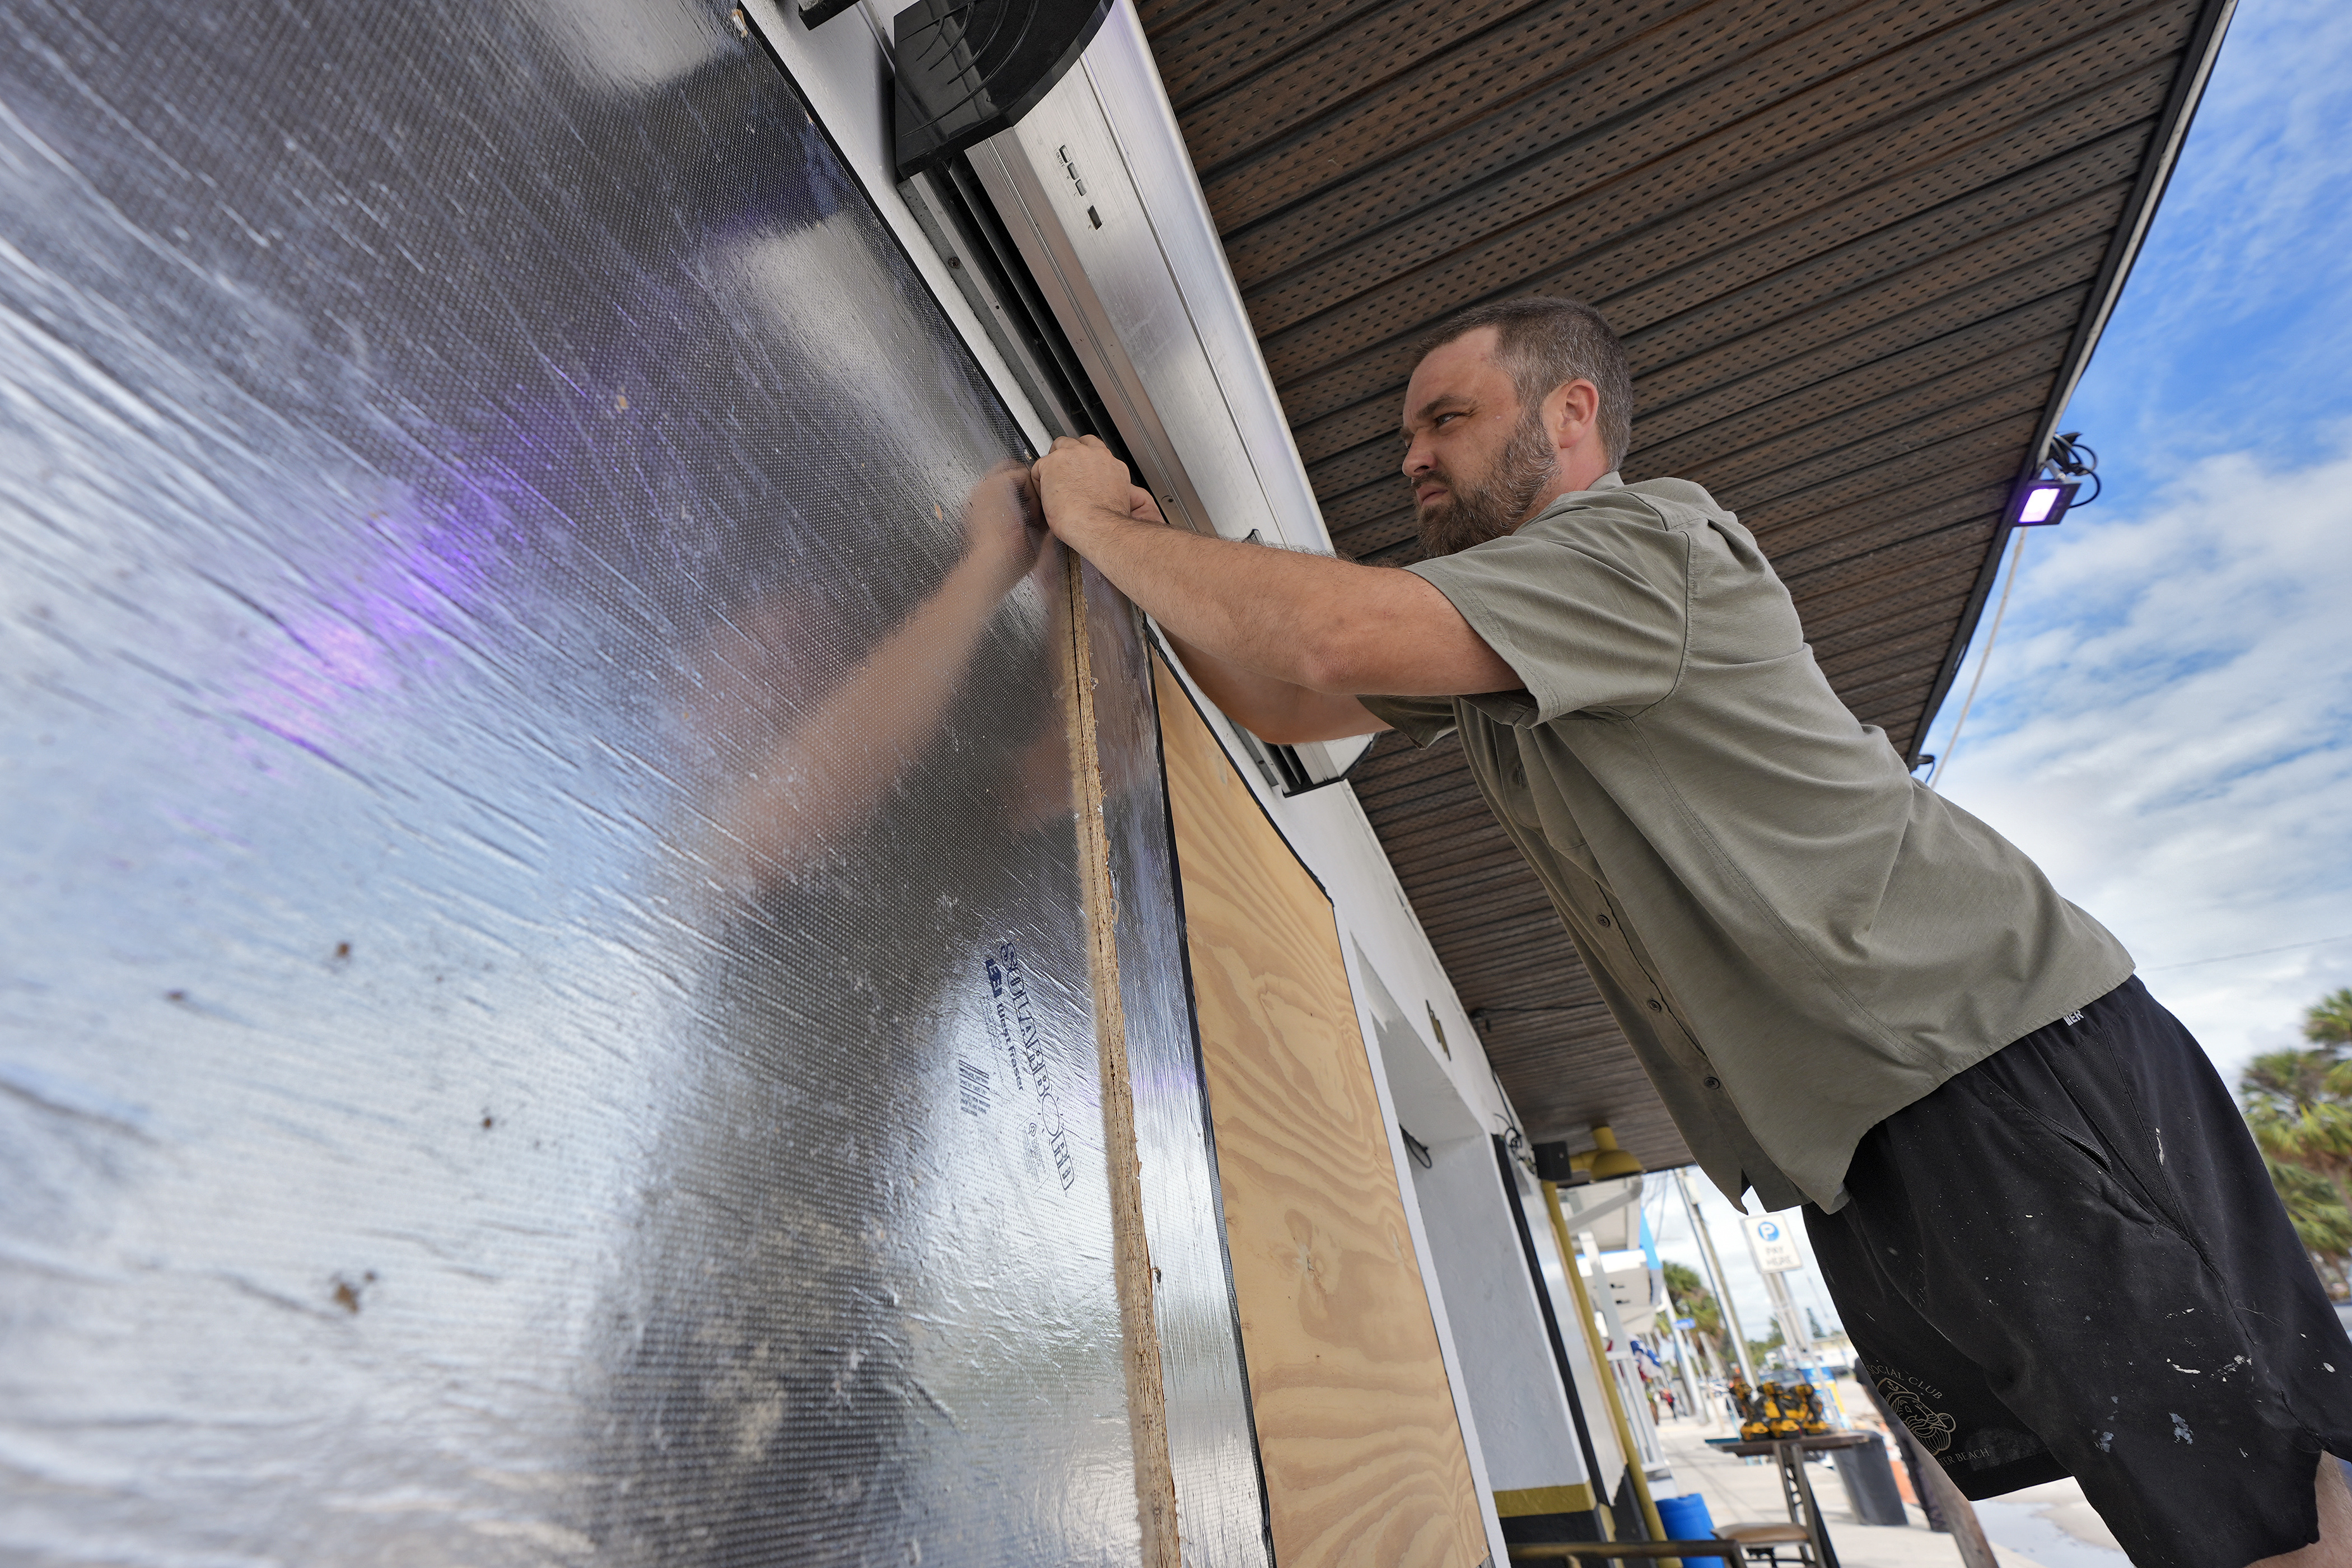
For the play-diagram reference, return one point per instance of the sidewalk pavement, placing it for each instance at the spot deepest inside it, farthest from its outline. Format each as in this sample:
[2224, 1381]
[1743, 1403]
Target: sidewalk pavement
[1747, 1490]
[2053, 1525]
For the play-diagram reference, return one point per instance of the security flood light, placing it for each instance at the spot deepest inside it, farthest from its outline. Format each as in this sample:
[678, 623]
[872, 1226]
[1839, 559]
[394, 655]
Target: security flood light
[2047, 496]
[2045, 501]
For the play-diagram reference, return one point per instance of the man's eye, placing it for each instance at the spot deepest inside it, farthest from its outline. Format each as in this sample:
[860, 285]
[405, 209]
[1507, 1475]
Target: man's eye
[1441, 419]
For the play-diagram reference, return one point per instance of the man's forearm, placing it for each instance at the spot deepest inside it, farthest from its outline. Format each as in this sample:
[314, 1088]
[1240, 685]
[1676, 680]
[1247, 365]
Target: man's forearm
[1324, 625]
[1252, 606]
[1271, 708]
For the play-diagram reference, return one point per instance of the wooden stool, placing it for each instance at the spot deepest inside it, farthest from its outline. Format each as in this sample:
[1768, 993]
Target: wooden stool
[1804, 1512]
[1617, 1551]
[1761, 1541]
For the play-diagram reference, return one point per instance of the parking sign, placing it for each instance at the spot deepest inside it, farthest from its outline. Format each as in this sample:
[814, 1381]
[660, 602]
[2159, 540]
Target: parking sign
[1776, 1244]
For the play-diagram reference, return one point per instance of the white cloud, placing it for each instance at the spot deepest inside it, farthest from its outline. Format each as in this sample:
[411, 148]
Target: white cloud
[2266, 169]
[2166, 727]
[2233, 334]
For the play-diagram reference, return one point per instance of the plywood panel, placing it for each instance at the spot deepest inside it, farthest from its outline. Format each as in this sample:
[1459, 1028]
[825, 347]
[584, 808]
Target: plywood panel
[1364, 1458]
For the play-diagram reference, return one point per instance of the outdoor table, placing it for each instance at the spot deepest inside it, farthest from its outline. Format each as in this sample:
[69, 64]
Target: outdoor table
[1605, 1551]
[1789, 1453]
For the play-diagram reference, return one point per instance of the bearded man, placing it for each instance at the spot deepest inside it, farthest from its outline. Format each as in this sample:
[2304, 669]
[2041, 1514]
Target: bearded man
[2038, 1210]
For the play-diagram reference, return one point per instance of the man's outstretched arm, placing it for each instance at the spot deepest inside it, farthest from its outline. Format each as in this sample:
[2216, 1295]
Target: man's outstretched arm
[1272, 708]
[1290, 638]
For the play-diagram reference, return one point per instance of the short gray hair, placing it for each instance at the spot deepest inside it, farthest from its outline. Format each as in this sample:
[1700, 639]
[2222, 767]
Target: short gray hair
[1546, 343]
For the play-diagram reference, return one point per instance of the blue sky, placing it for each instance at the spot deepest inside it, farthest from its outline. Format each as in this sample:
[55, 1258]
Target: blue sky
[2165, 722]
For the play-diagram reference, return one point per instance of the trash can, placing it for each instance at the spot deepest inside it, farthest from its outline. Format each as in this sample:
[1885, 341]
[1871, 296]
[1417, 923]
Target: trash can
[1870, 1483]
[1685, 1519]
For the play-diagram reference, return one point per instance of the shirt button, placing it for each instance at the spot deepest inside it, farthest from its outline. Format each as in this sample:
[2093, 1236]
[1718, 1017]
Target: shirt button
[1605, 920]
[1714, 1083]
[1655, 1007]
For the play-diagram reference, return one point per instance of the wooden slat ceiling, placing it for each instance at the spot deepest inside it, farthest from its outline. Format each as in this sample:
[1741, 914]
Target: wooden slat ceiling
[1853, 248]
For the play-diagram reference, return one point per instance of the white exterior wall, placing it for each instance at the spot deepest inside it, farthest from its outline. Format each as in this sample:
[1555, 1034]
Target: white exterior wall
[1606, 1449]
[1523, 1421]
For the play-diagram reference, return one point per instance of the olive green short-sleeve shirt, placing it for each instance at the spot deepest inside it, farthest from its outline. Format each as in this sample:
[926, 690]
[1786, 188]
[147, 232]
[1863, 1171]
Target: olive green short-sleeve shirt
[1798, 937]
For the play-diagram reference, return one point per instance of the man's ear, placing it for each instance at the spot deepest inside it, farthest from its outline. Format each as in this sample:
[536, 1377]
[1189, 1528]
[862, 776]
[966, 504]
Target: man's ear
[1573, 408]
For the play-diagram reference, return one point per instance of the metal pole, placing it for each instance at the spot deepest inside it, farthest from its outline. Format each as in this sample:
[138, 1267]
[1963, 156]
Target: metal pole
[1711, 1365]
[1715, 1277]
[1771, 1295]
[1600, 1353]
[1792, 1325]
[1686, 1360]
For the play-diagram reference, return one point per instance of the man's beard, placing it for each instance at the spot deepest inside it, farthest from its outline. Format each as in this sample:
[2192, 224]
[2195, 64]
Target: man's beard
[1496, 503]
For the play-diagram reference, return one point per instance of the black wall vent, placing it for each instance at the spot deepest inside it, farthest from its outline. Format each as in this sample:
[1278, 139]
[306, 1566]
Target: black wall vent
[967, 68]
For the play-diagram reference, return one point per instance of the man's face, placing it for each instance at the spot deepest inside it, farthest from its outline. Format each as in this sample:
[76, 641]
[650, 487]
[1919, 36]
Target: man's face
[1476, 461]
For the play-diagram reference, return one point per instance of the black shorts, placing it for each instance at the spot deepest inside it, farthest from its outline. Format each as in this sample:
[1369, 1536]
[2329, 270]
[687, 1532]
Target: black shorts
[2069, 1260]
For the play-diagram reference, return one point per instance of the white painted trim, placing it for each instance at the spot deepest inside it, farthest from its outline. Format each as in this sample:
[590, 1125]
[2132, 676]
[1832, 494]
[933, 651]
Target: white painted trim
[1098, 192]
[1457, 1384]
[1135, 102]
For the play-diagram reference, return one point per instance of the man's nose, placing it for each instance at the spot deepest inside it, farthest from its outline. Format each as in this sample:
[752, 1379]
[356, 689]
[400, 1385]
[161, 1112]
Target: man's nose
[1416, 462]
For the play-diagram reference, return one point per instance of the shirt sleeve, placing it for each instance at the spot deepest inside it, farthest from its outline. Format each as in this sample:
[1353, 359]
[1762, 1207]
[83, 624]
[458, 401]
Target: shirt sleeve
[1423, 721]
[1589, 605]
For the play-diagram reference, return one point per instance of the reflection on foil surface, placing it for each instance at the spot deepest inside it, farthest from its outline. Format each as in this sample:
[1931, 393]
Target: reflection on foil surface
[532, 706]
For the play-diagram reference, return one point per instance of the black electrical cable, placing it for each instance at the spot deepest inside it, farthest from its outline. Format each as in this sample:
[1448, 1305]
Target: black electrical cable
[2073, 457]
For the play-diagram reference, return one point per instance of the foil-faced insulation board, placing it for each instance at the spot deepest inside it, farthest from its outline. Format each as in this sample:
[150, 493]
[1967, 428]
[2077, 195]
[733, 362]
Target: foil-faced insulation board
[547, 1006]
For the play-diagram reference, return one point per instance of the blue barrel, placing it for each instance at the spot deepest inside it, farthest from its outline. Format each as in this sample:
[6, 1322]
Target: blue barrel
[1686, 1518]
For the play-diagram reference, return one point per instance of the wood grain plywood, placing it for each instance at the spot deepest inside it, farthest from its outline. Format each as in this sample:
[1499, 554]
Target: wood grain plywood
[1356, 1427]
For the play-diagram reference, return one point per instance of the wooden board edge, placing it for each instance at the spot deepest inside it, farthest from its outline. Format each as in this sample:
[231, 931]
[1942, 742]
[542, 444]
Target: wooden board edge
[1147, 1393]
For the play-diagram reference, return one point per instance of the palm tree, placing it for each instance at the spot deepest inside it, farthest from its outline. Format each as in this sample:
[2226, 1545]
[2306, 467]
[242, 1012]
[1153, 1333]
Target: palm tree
[2321, 1221]
[1693, 1299]
[2298, 1105]
[2330, 1020]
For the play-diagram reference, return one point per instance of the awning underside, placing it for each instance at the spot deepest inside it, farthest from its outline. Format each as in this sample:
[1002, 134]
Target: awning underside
[1854, 250]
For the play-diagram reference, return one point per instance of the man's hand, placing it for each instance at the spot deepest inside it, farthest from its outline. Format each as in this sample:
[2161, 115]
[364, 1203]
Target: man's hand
[1281, 639]
[1144, 506]
[1087, 489]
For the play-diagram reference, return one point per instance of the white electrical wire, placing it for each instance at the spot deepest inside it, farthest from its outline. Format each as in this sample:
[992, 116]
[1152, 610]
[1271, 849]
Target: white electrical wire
[1952, 740]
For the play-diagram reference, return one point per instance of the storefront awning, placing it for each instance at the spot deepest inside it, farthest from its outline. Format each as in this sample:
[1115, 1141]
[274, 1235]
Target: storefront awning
[1859, 253]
